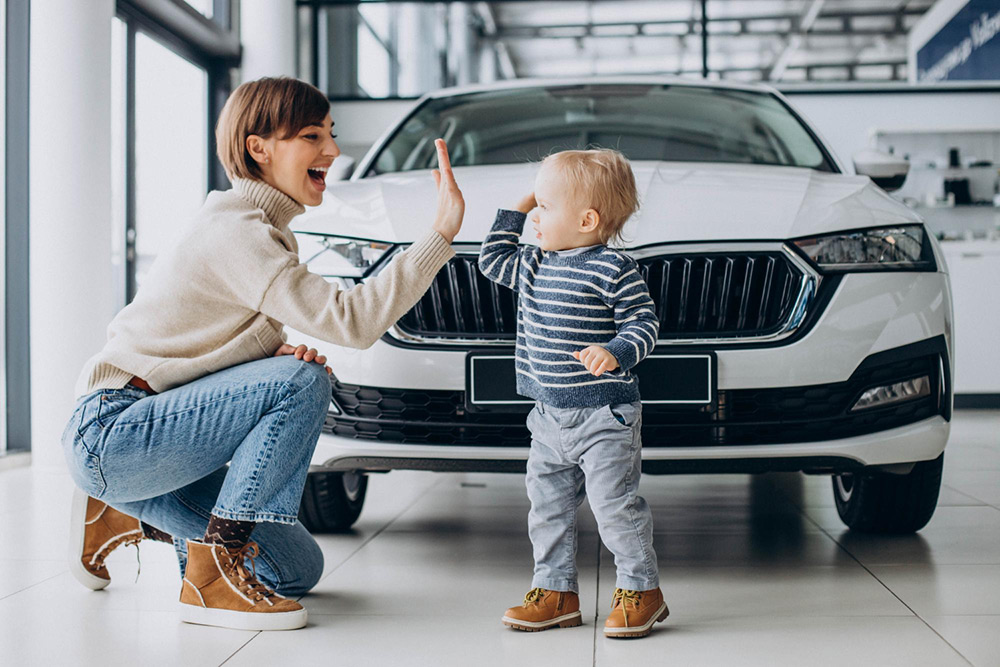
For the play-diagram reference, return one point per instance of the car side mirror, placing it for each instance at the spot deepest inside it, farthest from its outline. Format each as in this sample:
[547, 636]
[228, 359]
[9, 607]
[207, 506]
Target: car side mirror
[886, 170]
[342, 168]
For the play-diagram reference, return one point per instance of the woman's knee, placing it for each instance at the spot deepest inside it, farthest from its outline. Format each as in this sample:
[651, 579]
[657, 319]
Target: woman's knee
[293, 561]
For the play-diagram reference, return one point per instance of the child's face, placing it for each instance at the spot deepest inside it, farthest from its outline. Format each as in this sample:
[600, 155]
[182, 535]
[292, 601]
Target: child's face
[561, 217]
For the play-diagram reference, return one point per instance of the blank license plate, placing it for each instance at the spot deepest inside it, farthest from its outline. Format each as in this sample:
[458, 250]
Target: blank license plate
[664, 379]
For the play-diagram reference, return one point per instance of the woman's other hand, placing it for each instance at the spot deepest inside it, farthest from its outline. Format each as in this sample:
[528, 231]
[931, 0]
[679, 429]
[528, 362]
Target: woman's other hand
[304, 353]
[451, 205]
[527, 203]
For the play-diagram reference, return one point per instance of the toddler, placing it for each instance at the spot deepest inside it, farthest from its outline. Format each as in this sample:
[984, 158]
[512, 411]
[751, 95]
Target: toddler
[585, 318]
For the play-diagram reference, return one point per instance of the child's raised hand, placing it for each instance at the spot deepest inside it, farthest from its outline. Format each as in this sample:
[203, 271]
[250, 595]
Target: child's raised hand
[527, 203]
[596, 359]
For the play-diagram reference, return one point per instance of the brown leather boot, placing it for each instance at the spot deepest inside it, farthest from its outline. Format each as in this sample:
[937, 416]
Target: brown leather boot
[544, 609]
[95, 531]
[634, 612]
[219, 590]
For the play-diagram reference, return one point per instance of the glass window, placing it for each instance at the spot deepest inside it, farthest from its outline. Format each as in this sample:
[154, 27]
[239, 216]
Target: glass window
[171, 133]
[645, 122]
[373, 64]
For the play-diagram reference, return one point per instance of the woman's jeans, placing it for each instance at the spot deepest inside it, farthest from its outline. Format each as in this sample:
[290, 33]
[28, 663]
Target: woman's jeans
[592, 453]
[162, 458]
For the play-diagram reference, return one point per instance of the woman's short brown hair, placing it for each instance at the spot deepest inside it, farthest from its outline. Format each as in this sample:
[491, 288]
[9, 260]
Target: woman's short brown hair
[279, 105]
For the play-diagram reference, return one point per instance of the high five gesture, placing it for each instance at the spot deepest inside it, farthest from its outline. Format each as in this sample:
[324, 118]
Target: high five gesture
[451, 205]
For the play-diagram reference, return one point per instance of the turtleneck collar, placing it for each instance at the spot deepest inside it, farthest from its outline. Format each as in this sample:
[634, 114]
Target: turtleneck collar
[277, 206]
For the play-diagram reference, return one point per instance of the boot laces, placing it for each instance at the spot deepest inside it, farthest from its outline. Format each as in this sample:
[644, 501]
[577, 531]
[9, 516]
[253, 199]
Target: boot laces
[623, 597]
[534, 595]
[237, 569]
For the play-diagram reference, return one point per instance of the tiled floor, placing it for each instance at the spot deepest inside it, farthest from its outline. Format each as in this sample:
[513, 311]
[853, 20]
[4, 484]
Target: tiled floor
[757, 571]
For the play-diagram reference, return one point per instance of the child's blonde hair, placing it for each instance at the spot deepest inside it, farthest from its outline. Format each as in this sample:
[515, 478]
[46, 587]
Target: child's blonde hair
[605, 178]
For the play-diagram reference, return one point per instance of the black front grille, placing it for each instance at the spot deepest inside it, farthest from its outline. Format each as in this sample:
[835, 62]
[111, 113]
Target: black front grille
[743, 416]
[702, 295]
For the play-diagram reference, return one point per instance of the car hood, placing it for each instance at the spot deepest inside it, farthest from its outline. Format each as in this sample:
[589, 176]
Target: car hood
[679, 202]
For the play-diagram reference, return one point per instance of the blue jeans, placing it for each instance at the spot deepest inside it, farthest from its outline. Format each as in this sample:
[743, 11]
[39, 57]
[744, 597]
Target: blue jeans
[162, 458]
[593, 453]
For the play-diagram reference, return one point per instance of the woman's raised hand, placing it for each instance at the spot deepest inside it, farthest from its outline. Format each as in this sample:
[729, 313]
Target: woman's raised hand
[451, 205]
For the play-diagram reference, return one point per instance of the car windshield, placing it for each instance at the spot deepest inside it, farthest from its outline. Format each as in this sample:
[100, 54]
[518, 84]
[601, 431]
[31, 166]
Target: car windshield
[645, 122]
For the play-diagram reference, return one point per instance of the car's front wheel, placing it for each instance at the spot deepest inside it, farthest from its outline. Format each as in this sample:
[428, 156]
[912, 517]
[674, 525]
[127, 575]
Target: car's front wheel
[332, 501]
[880, 502]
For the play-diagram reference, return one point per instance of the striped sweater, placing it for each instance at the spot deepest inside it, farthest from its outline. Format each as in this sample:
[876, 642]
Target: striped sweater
[566, 302]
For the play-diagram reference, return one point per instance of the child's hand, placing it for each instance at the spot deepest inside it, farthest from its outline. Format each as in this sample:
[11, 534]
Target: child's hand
[597, 359]
[526, 204]
[304, 353]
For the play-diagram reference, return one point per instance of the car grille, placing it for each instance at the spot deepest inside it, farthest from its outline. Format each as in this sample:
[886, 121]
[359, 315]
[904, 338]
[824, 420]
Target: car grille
[743, 417]
[697, 295]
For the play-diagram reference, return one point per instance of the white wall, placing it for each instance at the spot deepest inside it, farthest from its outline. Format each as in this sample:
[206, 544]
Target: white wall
[846, 120]
[267, 32]
[70, 209]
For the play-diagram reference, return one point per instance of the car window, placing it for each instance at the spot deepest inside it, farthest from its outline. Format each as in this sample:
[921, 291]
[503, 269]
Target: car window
[645, 122]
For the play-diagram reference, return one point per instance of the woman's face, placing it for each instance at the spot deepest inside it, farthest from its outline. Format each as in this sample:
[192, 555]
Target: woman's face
[297, 166]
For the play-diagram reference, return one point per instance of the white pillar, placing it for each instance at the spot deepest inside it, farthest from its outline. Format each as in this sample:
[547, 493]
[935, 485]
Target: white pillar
[267, 32]
[70, 211]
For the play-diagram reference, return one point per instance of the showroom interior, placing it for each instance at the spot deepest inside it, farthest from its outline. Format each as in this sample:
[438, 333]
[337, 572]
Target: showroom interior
[818, 230]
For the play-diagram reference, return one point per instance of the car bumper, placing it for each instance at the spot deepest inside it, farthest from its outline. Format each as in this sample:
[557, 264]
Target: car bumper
[921, 441]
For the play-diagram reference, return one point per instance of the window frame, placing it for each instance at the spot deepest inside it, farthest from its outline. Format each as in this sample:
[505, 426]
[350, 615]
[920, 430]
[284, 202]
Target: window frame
[16, 340]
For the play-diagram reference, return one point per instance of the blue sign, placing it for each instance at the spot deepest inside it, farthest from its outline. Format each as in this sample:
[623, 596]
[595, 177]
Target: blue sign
[966, 48]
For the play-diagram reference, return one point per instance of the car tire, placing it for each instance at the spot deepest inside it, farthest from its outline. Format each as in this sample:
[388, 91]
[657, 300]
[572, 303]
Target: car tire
[332, 501]
[879, 502]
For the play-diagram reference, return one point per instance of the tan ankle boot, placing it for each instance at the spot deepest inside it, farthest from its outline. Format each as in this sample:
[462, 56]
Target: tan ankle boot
[634, 612]
[544, 609]
[95, 531]
[219, 590]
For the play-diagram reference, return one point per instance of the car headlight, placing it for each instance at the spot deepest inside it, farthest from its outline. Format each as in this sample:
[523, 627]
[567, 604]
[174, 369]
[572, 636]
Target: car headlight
[902, 248]
[341, 257]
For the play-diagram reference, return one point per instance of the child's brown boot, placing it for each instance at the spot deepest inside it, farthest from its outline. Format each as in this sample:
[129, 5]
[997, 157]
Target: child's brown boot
[544, 609]
[219, 590]
[634, 612]
[96, 530]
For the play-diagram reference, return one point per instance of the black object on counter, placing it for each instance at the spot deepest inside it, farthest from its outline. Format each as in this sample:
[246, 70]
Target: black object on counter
[960, 188]
[953, 160]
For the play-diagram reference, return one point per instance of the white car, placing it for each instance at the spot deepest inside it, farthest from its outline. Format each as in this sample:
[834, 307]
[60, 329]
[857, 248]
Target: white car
[805, 314]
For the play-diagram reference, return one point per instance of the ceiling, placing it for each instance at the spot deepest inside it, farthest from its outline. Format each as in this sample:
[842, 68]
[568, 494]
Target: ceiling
[749, 40]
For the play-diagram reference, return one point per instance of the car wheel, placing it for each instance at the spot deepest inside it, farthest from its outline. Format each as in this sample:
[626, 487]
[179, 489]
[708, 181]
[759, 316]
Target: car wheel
[879, 502]
[332, 501]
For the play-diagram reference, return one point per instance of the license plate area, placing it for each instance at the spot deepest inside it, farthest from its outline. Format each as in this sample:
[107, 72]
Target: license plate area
[676, 379]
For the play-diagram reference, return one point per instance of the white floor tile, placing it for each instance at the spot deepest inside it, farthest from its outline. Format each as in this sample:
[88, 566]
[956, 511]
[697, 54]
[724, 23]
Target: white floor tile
[975, 637]
[769, 641]
[944, 590]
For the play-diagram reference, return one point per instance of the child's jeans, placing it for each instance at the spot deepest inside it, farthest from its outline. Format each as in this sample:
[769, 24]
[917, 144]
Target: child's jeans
[577, 452]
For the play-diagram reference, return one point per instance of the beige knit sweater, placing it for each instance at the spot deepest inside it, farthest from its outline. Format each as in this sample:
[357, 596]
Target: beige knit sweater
[222, 294]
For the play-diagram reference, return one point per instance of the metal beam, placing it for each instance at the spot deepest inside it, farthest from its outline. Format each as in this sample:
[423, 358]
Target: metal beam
[781, 62]
[693, 27]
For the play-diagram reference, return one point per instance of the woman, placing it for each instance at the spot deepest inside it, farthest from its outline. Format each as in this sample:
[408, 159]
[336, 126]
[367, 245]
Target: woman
[197, 422]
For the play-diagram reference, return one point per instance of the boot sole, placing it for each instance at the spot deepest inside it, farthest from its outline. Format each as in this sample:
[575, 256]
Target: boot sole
[566, 621]
[639, 630]
[244, 620]
[77, 528]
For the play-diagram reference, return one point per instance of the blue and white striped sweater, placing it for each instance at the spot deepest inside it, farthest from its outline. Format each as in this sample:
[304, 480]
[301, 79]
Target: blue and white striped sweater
[568, 301]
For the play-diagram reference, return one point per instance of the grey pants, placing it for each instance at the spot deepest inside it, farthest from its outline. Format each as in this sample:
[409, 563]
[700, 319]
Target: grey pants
[592, 452]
